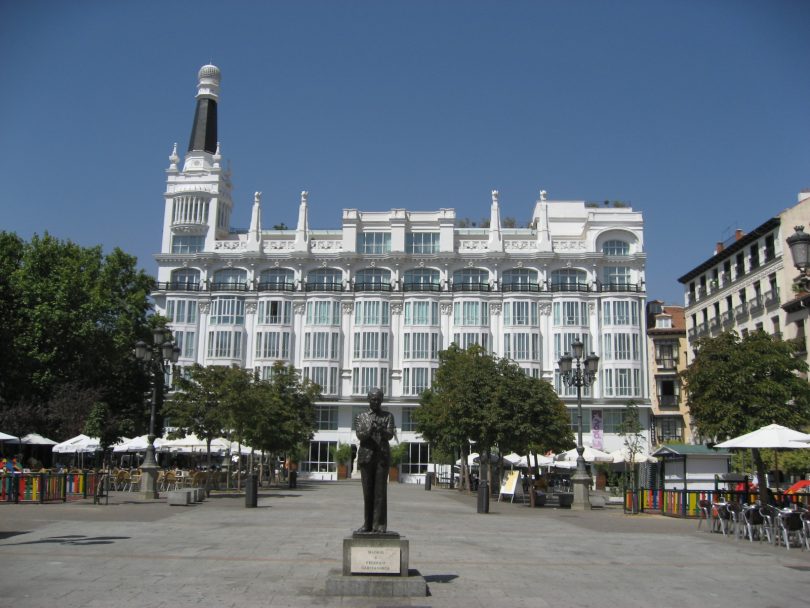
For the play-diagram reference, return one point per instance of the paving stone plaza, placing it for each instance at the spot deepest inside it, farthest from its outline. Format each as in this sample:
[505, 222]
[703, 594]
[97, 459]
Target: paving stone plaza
[219, 553]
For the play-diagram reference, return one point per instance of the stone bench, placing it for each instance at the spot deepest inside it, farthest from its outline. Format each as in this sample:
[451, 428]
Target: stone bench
[186, 496]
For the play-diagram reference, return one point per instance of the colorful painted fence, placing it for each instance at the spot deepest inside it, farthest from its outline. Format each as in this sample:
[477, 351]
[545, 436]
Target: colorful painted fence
[684, 503]
[47, 487]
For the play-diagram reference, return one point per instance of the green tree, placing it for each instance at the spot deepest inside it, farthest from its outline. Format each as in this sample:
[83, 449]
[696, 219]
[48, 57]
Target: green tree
[70, 318]
[205, 401]
[630, 430]
[737, 385]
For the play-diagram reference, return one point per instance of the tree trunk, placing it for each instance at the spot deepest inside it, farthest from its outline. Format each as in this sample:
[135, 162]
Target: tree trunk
[762, 480]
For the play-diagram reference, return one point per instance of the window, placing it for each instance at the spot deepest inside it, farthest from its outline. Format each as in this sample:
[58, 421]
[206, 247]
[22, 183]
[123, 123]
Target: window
[320, 458]
[569, 279]
[620, 347]
[230, 276]
[187, 243]
[663, 322]
[408, 422]
[420, 345]
[470, 313]
[517, 278]
[666, 353]
[364, 379]
[274, 312]
[620, 312]
[417, 459]
[185, 277]
[770, 248]
[371, 312]
[471, 276]
[326, 417]
[422, 242]
[586, 420]
[421, 313]
[416, 380]
[372, 277]
[616, 275]
[323, 312]
[421, 279]
[754, 251]
[182, 311]
[374, 242]
[330, 278]
[570, 313]
[277, 277]
[321, 345]
[519, 313]
[563, 341]
[326, 377]
[465, 340]
[273, 345]
[227, 311]
[612, 420]
[521, 346]
[616, 248]
[186, 341]
[225, 344]
[371, 345]
[621, 382]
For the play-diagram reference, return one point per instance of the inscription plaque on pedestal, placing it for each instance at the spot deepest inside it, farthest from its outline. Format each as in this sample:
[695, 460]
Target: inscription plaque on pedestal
[375, 560]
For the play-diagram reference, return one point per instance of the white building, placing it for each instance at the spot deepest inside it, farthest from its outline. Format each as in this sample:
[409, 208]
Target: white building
[372, 302]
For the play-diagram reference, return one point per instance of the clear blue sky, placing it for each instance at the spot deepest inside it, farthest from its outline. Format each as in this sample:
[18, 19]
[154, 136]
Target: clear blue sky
[696, 112]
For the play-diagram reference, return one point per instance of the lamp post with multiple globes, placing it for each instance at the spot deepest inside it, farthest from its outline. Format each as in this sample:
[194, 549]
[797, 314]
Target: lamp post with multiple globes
[576, 372]
[157, 358]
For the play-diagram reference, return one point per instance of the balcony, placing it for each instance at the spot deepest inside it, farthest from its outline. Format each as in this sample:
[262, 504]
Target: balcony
[772, 298]
[275, 286]
[757, 304]
[411, 286]
[668, 401]
[323, 287]
[178, 286]
[580, 287]
[728, 317]
[471, 287]
[229, 286]
[634, 287]
[665, 363]
[372, 287]
[523, 287]
[741, 310]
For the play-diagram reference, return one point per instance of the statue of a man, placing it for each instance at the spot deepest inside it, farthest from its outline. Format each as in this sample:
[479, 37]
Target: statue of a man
[374, 428]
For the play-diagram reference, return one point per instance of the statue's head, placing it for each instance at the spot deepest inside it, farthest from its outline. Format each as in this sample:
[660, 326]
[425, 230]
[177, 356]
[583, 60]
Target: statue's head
[375, 398]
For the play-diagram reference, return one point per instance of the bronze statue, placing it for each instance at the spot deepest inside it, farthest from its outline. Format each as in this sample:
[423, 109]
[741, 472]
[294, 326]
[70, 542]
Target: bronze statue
[374, 428]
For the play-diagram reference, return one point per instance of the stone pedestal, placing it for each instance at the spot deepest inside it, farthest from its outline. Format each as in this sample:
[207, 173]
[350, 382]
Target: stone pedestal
[376, 565]
[581, 493]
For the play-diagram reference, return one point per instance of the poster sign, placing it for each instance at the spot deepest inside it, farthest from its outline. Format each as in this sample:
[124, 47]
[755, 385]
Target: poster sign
[596, 430]
[509, 485]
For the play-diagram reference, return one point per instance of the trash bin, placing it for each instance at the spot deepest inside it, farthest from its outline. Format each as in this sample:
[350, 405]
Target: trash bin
[428, 481]
[252, 491]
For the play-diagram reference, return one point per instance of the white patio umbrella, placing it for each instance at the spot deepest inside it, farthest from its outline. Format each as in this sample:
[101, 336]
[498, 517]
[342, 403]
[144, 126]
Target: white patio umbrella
[7, 437]
[527, 461]
[623, 455]
[80, 444]
[192, 443]
[772, 436]
[136, 444]
[36, 439]
[590, 455]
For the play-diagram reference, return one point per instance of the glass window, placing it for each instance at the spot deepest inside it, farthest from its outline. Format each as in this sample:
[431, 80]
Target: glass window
[320, 457]
[616, 275]
[187, 243]
[519, 276]
[470, 312]
[422, 242]
[225, 344]
[420, 345]
[620, 312]
[181, 311]
[372, 277]
[186, 276]
[586, 420]
[273, 345]
[569, 279]
[519, 313]
[371, 345]
[417, 459]
[321, 345]
[616, 247]
[421, 312]
[325, 376]
[330, 277]
[570, 312]
[323, 312]
[374, 242]
[274, 312]
[227, 311]
[230, 276]
[416, 380]
[186, 342]
[563, 341]
[421, 277]
[465, 340]
[408, 422]
[371, 312]
[326, 417]
[365, 379]
[471, 276]
[277, 276]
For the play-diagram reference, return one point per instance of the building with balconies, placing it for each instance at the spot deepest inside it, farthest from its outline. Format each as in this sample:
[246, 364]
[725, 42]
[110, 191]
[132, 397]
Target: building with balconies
[747, 284]
[372, 302]
[666, 347]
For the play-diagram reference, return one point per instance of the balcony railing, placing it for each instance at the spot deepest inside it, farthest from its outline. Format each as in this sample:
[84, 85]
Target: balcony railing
[772, 298]
[275, 286]
[323, 287]
[756, 304]
[229, 286]
[416, 286]
[525, 287]
[741, 310]
[179, 286]
[620, 287]
[668, 401]
[372, 287]
[666, 363]
[570, 287]
[471, 287]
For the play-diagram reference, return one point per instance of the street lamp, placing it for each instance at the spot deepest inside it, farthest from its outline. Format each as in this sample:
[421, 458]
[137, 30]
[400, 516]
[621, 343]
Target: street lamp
[799, 244]
[156, 358]
[576, 372]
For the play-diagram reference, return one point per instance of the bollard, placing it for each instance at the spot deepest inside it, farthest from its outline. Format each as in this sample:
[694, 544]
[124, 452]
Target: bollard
[428, 481]
[252, 491]
[483, 496]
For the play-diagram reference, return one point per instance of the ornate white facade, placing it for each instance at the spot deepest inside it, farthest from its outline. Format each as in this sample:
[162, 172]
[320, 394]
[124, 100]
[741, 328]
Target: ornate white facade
[372, 302]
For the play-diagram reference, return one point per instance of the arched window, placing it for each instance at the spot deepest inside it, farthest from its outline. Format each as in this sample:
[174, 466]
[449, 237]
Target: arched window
[421, 279]
[617, 278]
[324, 279]
[186, 279]
[277, 279]
[616, 247]
[569, 279]
[230, 279]
[519, 279]
[372, 279]
[471, 279]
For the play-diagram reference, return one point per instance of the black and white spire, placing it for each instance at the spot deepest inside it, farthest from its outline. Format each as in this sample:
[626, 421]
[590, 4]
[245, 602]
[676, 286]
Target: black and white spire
[204, 130]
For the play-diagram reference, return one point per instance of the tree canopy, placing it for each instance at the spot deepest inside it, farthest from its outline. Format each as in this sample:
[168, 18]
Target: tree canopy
[71, 316]
[492, 402]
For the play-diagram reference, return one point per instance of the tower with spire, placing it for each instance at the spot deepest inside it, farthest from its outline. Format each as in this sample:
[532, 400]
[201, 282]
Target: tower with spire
[198, 201]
